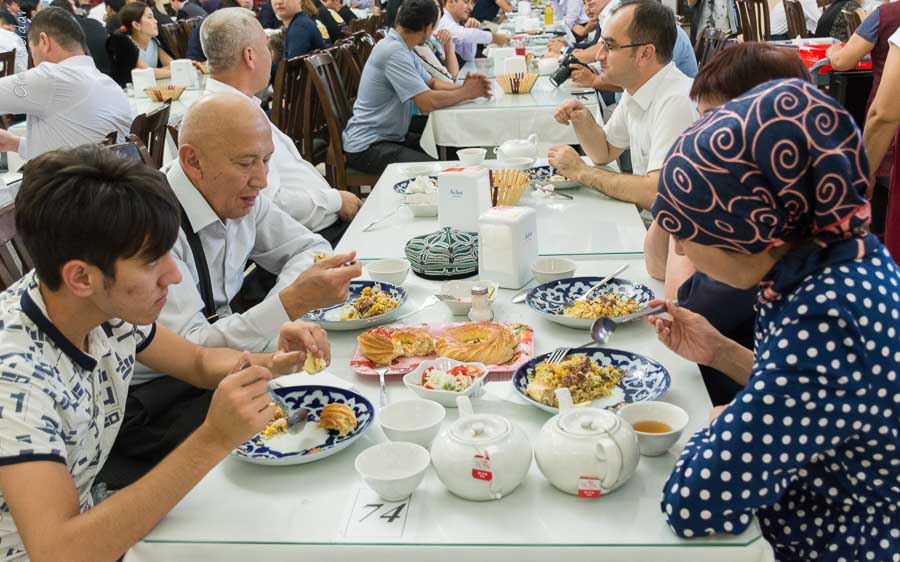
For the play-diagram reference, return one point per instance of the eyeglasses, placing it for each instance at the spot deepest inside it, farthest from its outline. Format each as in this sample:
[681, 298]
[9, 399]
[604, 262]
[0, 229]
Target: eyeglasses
[605, 44]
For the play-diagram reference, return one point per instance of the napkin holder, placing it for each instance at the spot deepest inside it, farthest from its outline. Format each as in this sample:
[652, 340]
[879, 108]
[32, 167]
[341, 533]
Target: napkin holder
[513, 65]
[142, 78]
[507, 245]
[183, 73]
[463, 194]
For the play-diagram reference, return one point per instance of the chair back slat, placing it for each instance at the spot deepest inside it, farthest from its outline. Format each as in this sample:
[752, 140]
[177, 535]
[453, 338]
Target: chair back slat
[133, 149]
[852, 18]
[754, 16]
[7, 63]
[796, 21]
[328, 90]
[150, 128]
[171, 32]
[346, 58]
[709, 43]
[15, 260]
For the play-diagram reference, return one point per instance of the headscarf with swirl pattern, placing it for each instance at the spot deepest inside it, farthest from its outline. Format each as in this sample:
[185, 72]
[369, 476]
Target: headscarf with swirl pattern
[783, 162]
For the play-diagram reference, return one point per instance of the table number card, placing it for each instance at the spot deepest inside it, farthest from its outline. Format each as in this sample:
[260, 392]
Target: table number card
[372, 517]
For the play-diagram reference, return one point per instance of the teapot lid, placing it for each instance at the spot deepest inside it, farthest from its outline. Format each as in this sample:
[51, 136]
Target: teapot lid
[588, 421]
[480, 429]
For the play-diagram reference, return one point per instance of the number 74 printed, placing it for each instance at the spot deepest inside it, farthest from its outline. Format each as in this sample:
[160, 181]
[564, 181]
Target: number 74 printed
[373, 517]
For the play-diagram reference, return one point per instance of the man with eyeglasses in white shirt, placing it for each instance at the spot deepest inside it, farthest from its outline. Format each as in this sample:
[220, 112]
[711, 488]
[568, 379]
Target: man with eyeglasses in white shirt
[636, 49]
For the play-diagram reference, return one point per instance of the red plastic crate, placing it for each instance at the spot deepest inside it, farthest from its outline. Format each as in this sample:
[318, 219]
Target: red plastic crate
[811, 54]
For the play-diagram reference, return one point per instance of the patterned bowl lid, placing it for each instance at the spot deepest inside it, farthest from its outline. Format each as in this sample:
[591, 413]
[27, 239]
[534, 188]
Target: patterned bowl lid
[445, 254]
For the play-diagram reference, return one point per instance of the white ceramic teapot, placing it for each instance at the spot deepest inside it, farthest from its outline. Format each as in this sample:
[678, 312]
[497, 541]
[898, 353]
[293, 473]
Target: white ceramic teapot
[518, 148]
[481, 456]
[586, 452]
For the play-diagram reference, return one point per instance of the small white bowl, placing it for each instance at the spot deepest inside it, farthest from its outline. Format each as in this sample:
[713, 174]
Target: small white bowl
[515, 163]
[655, 444]
[471, 156]
[462, 292]
[414, 421]
[546, 269]
[391, 270]
[447, 398]
[393, 470]
[417, 169]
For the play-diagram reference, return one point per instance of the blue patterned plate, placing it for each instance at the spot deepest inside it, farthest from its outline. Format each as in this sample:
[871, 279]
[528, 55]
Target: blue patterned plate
[544, 173]
[400, 187]
[312, 443]
[644, 379]
[548, 299]
[330, 317]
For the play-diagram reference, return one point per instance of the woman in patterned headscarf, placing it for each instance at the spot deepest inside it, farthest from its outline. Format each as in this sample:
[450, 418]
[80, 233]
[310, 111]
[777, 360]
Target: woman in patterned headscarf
[769, 190]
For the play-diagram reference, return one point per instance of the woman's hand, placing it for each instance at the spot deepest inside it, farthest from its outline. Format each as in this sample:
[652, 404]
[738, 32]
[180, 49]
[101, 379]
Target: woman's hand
[687, 333]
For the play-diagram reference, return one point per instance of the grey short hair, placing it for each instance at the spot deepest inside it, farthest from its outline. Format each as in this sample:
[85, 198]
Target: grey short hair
[225, 33]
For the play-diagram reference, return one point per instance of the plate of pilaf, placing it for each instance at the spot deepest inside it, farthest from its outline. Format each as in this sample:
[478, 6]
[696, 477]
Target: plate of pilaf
[617, 297]
[369, 304]
[603, 378]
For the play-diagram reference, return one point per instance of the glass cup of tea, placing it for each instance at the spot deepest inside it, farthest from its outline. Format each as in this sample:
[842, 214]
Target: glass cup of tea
[518, 43]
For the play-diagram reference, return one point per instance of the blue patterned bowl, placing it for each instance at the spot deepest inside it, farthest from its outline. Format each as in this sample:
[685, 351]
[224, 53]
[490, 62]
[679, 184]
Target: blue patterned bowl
[329, 318]
[645, 379]
[548, 299]
[312, 443]
[542, 174]
[400, 187]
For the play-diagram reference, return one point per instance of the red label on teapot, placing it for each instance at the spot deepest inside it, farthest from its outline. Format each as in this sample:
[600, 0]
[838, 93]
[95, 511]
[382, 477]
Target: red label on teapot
[482, 468]
[589, 487]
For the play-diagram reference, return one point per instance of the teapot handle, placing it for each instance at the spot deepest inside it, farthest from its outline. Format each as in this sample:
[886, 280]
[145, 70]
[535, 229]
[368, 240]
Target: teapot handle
[533, 138]
[607, 449]
[496, 151]
[564, 398]
[465, 406]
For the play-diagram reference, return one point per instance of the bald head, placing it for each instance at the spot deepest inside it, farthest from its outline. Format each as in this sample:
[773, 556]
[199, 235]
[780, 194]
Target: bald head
[224, 145]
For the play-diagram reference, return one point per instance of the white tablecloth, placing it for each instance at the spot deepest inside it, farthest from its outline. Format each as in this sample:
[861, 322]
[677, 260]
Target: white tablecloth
[503, 117]
[245, 512]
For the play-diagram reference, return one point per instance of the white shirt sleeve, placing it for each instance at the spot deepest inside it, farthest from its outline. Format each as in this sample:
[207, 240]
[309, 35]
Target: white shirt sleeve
[466, 39]
[283, 245]
[30, 92]
[251, 330]
[301, 191]
[672, 118]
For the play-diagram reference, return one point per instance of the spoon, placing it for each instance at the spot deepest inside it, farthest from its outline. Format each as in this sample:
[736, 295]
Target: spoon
[587, 295]
[604, 326]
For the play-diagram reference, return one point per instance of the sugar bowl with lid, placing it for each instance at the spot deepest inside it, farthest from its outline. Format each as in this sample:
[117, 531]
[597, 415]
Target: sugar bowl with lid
[586, 452]
[481, 457]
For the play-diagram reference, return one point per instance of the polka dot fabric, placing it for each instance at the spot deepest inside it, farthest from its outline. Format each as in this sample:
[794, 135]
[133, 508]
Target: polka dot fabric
[810, 445]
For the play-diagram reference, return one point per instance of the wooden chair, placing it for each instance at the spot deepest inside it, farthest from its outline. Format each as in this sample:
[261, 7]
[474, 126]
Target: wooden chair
[709, 43]
[326, 81]
[380, 34]
[364, 45]
[358, 25]
[372, 25]
[796, 21]
[754, 16]
[173, 132]
[7, 63]
[171, 32]
[15, 261]
[186, 26]
[345, 55]
[289, 111]
[133, 149]
[150, 128]
[853, 19]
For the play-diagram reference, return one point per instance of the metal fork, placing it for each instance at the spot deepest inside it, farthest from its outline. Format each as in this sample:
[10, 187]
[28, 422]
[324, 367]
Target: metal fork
[382, 397]
[558, 355]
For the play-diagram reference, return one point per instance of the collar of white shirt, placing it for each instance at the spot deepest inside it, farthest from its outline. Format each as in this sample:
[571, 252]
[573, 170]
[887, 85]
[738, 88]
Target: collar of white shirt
[78, 60]
[213, 86]
[195, 205]
[654, 87]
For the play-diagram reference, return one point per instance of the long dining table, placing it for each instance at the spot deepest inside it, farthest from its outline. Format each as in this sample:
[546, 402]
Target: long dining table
[242, 511]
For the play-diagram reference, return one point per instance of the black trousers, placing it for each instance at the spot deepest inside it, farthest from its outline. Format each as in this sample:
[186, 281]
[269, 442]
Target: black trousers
[375, 159]
[159, 415]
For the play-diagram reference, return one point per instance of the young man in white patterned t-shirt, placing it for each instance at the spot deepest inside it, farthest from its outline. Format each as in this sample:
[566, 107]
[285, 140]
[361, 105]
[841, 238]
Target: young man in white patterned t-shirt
[99, 229]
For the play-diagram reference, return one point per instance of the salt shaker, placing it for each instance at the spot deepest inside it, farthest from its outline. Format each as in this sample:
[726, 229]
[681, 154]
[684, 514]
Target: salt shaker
[481, 306]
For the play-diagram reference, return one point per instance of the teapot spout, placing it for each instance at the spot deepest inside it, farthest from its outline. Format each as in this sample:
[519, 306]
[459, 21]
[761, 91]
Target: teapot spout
[465, 406]
[563, 397]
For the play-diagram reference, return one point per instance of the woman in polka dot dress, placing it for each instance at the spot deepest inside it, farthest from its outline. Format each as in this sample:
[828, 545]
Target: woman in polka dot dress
[769, 190]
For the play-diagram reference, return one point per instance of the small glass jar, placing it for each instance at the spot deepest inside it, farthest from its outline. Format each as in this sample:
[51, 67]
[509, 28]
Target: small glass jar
[481, 306]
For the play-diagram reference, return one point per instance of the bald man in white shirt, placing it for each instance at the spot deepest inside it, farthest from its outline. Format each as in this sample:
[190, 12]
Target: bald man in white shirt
[236, 47]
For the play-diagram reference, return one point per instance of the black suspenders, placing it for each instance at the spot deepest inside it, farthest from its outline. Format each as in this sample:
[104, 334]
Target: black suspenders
[206, 293]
